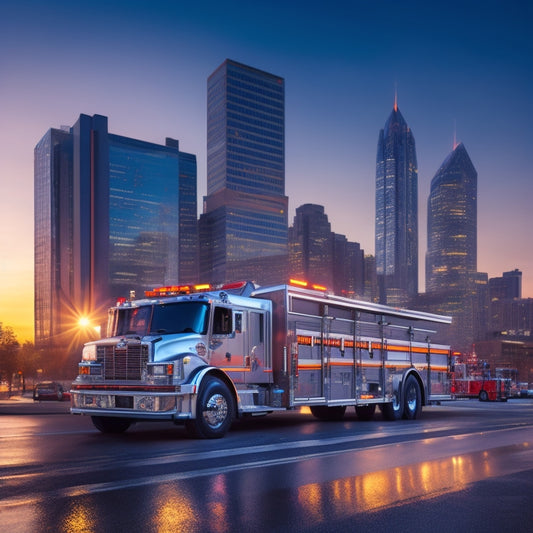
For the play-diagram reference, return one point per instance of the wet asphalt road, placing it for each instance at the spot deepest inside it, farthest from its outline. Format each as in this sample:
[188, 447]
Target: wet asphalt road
[464, 466]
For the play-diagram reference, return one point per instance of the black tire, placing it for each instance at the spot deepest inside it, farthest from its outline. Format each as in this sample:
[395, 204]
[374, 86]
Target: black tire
[323, 412]
[393, 410]
[111, 424]
[365, 412]
[215, 409]
[483, 396]
[412, 399]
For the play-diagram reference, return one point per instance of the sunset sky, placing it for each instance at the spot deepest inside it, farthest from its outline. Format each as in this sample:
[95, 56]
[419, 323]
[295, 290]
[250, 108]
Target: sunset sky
[463, 66]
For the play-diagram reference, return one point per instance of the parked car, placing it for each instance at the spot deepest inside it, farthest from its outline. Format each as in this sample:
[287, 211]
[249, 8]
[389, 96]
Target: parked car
[50, 390]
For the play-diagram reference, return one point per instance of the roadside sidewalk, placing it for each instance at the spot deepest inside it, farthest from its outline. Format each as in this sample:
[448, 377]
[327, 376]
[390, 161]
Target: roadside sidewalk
[24, 405]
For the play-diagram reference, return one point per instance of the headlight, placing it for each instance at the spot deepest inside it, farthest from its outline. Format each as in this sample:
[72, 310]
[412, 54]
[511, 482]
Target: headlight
[161, 369]
[88, 369]
[89, 353]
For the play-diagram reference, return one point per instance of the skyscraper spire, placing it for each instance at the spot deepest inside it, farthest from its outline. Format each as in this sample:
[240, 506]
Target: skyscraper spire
[396, 97]
[454, 134]
[396, 211]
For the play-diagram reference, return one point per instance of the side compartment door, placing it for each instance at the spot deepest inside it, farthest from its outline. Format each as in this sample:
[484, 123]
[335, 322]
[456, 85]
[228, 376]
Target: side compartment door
[310, 368]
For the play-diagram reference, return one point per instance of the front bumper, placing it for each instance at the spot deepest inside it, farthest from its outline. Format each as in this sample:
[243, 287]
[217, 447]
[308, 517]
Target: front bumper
[127, 401]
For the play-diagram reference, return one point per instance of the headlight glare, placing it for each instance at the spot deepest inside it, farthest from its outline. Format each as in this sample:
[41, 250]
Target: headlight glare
[89, 352]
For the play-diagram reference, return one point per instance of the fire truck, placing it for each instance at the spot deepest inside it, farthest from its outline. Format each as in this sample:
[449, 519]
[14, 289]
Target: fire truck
[475, 381]
[205, 356]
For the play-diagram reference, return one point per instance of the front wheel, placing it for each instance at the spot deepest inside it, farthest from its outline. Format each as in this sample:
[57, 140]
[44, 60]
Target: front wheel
[214, 411]
[110, 424]
[483, 396]
[412, 399]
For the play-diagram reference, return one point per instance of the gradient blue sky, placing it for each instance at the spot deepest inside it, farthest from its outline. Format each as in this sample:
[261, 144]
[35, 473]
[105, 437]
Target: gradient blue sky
[463, 65]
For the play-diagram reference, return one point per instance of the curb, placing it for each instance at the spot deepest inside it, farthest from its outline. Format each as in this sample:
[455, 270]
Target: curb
[17, 405]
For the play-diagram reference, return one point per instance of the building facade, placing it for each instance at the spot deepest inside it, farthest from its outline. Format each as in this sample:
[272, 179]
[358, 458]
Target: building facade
[509, 355]
[370, 289]
[112, 215]
[453, 285]
[508, 286]
[452, 223]
[244, 225]
[53, 239]
[396, 212]
[318, 255]
[348, 268]
[311, 245]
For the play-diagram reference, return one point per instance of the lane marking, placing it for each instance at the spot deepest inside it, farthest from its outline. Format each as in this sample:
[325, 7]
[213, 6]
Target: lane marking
[95, 488]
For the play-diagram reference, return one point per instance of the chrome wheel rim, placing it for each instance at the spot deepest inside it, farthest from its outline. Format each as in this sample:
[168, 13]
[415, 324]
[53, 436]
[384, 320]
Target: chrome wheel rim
[396, 401]
[216, 410]
[411, 399]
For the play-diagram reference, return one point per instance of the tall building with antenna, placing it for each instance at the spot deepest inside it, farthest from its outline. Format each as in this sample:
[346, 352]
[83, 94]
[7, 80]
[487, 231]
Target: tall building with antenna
[396, 211]
[453, 285]
[452, 223]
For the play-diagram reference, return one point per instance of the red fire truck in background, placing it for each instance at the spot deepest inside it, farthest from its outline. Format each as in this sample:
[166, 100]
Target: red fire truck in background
[204, 356]
[473, 380]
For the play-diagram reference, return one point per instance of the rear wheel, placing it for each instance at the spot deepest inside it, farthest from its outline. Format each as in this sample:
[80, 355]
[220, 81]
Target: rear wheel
[483, 396]
[323, 412]
[412, 406]
[214, 411]
[365, 412]
[110, 424]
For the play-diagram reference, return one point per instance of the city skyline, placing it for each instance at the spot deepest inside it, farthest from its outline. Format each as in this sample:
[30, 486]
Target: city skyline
[145, 66]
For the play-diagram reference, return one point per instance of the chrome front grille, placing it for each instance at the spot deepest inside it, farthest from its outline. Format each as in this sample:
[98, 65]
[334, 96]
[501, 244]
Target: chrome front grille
[124, 362]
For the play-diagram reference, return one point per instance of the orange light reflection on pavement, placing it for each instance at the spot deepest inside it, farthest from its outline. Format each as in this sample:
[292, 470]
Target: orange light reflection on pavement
[173, 510]
[80, 518]
[395, 486]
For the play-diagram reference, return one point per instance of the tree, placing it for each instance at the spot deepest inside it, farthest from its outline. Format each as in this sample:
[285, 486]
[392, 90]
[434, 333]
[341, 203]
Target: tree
[28, 359]
[8, 354]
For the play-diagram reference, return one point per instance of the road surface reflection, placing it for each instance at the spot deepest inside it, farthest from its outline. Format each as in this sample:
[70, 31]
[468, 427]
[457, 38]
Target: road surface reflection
[275, 497]
[391, 487]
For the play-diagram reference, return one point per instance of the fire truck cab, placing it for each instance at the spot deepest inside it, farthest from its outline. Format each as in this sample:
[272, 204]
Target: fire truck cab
[205, 357]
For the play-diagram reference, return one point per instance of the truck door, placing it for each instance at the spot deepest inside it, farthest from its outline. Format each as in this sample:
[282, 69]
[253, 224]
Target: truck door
[257, 360]
[228, 341]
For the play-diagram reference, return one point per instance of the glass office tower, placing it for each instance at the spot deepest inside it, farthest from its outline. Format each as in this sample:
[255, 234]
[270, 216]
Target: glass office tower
[53, 243]
[243, 230]
[152, 215]
[396, 212]
[452, 223]
[112, 215]
[453, 285]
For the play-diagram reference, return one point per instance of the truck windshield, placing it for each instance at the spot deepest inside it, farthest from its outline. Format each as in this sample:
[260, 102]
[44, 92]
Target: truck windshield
[177, 317]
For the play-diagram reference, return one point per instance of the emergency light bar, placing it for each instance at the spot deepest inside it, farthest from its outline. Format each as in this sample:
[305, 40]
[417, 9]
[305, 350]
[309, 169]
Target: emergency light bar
[307, 285]
[237, 287]
[176, 290]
